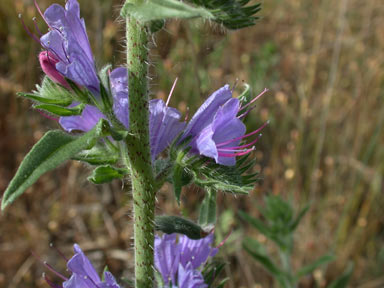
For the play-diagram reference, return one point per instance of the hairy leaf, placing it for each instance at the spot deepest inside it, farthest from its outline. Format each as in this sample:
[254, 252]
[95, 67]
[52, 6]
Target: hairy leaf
[150, 10]
[53, 149]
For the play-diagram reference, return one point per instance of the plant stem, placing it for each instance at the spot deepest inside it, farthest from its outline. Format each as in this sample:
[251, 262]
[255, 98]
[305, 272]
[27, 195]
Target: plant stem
[138, 152]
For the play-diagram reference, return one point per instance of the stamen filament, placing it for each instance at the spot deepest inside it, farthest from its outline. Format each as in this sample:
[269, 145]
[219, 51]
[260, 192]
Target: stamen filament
[242, 137]
[246, 145]
[36, 26]
[59, 252]
[236, 154]
[254, 99]
[33, 36]
[41, 13]
[50, 283]
[170, 93]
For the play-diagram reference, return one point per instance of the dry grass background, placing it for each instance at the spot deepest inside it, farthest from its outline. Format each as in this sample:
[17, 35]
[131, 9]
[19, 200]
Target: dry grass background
[323, 63]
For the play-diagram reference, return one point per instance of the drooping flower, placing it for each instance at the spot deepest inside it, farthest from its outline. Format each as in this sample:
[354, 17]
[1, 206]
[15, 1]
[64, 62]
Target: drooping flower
[83, 274]
[68, 44]
[216, 129]
[179, 261]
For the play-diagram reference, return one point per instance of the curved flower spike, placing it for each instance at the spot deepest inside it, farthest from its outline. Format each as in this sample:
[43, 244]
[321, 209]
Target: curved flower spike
[67, 40]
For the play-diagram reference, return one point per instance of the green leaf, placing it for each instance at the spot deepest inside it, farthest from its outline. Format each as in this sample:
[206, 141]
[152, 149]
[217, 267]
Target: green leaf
[50, 93]
[150, 10]
[61, 111]
[258, 254]
[107, 173]
[308, 269]
[230, 179]
[81, 95]
[232, 14]
[263, 229]
[175, 224]
[97, 155]
[212, 271]
[180, 176]
[207, 217]
[300, 216]
[342, 281]
[52, 150]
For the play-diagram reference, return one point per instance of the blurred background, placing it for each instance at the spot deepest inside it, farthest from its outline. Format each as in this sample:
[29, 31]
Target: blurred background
[323, 63]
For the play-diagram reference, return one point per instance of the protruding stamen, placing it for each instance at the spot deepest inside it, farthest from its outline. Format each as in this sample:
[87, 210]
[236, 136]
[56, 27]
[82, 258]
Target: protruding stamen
[237, 154]
[170, 93]
[242, 137]
[59, 252]
[245, 145]
[48, 116]
[224, 240]
[41, 13]
[49, 267]
[254, 99]
[33, 36]
[49, 282]
[36, 26]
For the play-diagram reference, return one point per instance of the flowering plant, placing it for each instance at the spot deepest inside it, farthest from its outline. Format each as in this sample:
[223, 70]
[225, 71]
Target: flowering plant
[110, 123]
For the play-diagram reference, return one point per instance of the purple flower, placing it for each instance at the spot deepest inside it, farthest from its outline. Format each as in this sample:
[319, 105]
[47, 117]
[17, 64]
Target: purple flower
[167, 257]
[190, 278]
[164, 126]
[196, 252]
[83, 275]
[67, 40]
[179, 261]
[216, 129]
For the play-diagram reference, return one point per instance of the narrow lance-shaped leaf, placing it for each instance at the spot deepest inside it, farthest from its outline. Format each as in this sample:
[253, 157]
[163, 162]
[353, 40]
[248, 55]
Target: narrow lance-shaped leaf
[150, 10]
[342, 281]
[311, 267]
[52, 150]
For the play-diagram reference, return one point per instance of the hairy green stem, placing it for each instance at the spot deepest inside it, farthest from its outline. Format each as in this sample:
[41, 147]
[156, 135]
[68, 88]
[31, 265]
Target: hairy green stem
[138, 152]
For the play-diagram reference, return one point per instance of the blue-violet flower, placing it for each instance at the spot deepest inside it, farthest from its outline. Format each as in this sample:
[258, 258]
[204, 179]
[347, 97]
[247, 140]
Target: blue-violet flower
[83, 275]
[178, 261]
[216, 129]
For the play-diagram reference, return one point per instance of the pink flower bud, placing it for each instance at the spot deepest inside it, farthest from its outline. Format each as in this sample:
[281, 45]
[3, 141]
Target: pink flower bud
[48, 64]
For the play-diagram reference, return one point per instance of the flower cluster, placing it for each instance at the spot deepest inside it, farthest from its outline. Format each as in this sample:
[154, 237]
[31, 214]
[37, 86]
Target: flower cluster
[215, 131]
[83, 273]
[179, 261]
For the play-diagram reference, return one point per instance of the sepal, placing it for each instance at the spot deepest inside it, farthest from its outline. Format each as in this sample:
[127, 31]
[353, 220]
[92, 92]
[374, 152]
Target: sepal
[49, 93]
[98, 155]
[107, 173]
[60, 110]
[212, 271]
